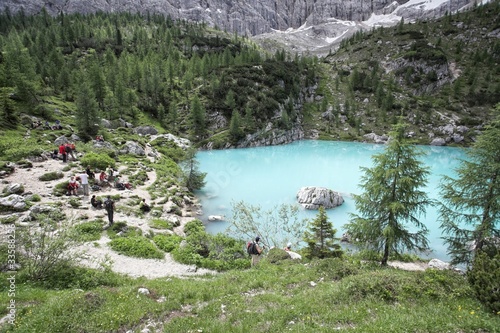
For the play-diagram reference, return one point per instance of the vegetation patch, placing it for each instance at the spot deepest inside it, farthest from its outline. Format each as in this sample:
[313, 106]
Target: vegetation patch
[49, 176]
[136, 246]
[88, 231]
[167, 243]
[160, 224]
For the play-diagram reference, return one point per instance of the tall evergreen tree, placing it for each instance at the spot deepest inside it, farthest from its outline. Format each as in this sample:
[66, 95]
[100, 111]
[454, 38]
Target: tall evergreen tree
[470, 209]
[392, 200]
[198, 118]
[86, 111]
[235, 131]
[194, 179]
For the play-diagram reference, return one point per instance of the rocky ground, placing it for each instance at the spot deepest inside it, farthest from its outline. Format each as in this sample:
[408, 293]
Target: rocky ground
[97, 252]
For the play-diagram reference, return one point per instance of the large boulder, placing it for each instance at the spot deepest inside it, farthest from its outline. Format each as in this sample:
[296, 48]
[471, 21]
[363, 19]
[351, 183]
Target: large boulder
[132, 147]
[312, 197]
[145, 130]
[13, 202]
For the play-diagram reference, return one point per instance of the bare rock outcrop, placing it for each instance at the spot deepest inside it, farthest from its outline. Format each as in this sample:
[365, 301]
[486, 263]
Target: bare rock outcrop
[312, 197]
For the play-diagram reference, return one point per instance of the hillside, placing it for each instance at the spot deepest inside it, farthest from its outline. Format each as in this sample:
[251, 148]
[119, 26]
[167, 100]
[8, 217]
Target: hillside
[223, 91]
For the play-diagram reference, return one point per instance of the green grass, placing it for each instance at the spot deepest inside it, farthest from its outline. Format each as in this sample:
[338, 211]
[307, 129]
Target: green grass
[269, 298]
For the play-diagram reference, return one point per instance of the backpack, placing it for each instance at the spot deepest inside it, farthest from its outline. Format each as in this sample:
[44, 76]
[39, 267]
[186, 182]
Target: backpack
[108, 204]
[251, 248]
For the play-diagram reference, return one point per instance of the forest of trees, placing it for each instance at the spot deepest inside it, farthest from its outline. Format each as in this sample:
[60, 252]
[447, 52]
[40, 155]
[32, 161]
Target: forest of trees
[116, 66]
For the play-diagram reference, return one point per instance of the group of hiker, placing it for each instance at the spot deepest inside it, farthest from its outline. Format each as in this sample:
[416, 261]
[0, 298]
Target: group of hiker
[65, 150]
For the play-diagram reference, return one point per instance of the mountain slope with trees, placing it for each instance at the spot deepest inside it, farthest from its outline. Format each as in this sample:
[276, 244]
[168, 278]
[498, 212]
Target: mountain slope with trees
[192, 80]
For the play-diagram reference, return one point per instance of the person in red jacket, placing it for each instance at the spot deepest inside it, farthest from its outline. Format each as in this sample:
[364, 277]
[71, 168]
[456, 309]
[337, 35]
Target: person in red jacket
[62, 151]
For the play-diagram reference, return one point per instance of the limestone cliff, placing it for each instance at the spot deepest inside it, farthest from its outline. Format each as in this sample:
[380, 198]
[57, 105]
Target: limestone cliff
[249, 17]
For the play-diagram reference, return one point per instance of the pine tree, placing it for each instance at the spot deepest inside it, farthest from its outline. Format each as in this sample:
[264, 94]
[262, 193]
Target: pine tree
[470, 209]
[193, 178]
[197, 118]
[320, 237]
[235, 131]
[86, 111]
[391, 200]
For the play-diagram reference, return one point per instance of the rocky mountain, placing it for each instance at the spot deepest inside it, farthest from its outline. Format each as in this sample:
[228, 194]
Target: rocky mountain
[314, 26]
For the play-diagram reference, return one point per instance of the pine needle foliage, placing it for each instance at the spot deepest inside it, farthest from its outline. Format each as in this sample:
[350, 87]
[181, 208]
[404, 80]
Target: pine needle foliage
[470, 209]
[392, 200]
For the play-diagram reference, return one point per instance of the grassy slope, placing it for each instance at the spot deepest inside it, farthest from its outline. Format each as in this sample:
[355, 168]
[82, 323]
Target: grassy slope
[321, 296]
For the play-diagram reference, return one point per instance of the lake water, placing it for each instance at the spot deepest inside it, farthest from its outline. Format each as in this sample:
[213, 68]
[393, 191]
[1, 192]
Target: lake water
[269, 176]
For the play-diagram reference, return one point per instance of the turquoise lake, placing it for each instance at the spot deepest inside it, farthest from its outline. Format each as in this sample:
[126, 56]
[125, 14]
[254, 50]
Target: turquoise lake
[269, 176]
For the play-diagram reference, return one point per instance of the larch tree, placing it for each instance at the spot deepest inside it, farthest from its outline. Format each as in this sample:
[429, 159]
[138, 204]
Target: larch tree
[392, 200]
[470, 207]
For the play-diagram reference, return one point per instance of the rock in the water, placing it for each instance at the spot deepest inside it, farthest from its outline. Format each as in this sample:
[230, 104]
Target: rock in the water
[312, 197]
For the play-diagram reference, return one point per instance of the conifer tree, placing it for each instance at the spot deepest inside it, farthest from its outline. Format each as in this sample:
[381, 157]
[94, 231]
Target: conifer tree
[86, 111]
[197, 118]
[392, 200]
[470, 209]
[320, 237]
[194, 179]
[235, 131]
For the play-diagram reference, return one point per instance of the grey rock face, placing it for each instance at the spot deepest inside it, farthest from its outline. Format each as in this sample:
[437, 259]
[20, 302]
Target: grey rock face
[312, 197]
[438, 142]
[132, 147]
[145, 130]
[250, 17]
[13, 202]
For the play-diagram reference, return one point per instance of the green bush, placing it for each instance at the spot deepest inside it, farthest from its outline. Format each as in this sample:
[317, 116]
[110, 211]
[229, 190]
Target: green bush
[61, 189]
[335, 268]
[124, 230]
[71, 276]
[276, 255]
[136, 246]
[484, 277]
[217, 252]
[167, 243]
[99, 161]
[51, 176]
[160, 224]
[88, 231]
[193, 226]
[35, 198]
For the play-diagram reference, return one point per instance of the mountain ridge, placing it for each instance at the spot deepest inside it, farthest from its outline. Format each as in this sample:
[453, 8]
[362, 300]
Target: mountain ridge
[282, 23]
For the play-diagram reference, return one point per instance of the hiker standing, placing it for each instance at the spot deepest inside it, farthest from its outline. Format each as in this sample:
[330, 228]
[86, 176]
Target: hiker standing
[62, 151]
[110, 207]
[257, 251]
[85, 183]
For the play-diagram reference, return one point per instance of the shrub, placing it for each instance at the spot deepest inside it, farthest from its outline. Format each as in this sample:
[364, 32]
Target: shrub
[61, 189]
[276, 255]
[35, 198]
[193, 226]
[124, 230]
[160, 224]
[100, 161]
[167, 243]
[88, 231]
[136, 246]
[51, 176]
[484, 278]
[44, 251]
